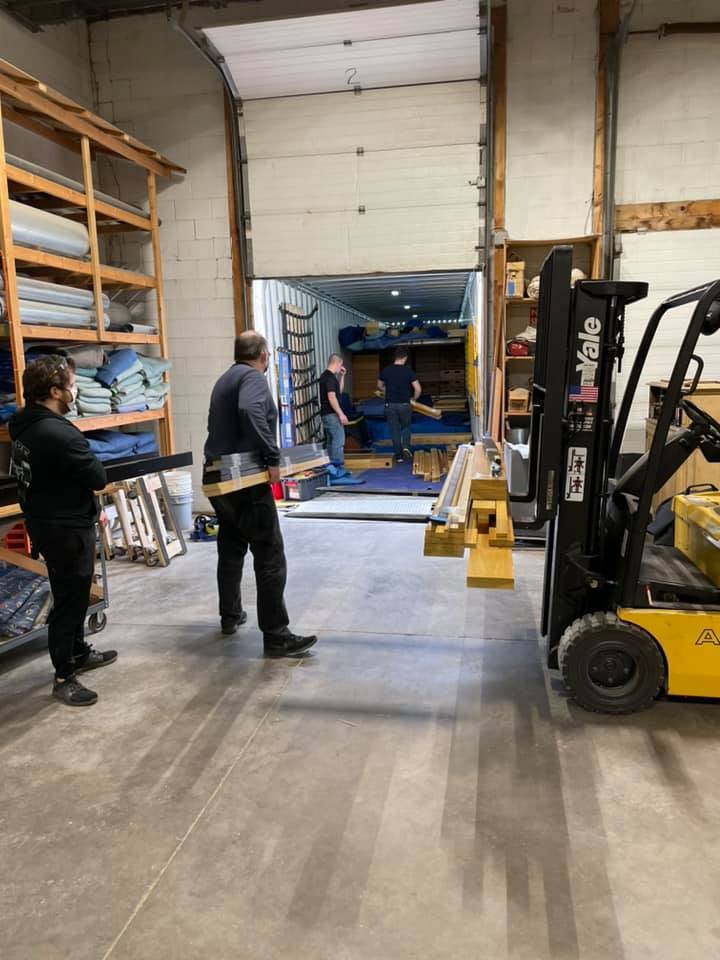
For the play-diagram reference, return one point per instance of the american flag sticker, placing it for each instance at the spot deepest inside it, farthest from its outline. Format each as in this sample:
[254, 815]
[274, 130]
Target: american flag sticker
[584, 394]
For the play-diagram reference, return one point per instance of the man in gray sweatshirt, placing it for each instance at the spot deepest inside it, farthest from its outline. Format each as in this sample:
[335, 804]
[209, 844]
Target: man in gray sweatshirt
[243, 419]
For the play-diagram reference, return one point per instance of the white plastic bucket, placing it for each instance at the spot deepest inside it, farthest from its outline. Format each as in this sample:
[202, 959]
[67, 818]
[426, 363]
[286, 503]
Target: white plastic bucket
[179, 484]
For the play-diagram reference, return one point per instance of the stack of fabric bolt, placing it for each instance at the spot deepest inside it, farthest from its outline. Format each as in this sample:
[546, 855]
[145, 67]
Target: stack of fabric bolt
[93, 399]
[8, 404]
[123, 374]
[117, 445]
[156, 388]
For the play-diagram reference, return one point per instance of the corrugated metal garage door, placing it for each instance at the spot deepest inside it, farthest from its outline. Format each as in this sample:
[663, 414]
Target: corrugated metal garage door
[366, 169]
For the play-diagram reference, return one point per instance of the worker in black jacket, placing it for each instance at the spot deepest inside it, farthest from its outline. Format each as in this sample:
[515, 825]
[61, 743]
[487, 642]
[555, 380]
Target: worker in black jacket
[243, 419]
[57, 475]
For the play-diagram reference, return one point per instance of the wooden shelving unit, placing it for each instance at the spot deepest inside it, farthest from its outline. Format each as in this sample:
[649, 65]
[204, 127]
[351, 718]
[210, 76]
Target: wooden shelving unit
[512, 314]
[28, 103]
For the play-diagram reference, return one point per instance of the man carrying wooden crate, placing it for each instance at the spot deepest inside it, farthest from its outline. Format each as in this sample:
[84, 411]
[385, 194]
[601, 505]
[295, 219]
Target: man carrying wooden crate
[56, 473]
[243, 419]
[399, 384]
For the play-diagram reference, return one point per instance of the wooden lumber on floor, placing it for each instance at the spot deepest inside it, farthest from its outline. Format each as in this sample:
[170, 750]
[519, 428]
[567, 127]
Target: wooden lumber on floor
[367, 460]
[434, 465]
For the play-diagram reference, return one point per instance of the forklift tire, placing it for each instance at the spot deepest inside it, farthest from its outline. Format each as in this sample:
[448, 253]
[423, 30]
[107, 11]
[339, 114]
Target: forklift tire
[609, 666]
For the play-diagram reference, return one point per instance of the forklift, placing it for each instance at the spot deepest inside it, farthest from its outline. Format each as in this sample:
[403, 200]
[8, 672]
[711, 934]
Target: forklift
[625, 617]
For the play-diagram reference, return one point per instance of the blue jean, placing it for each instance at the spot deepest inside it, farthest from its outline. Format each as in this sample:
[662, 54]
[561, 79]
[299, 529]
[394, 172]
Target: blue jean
[335, 438]
[399, 418]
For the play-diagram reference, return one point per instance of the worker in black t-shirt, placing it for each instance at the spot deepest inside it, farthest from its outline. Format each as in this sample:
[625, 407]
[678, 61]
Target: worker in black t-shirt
[332, 382]
[399, 383]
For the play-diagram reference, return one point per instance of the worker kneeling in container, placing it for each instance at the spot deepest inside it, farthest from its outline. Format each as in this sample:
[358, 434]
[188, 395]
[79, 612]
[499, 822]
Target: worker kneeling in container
[57, 475]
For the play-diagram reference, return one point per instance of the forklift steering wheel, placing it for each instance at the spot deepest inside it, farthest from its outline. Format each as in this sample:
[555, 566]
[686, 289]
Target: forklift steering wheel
[702, 419]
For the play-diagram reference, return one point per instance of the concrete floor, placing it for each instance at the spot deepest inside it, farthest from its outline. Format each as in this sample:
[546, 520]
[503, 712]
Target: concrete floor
[418, 788]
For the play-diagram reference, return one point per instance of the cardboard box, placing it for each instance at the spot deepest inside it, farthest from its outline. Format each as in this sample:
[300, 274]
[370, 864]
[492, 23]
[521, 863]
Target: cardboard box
[515, 278]
[518, 400]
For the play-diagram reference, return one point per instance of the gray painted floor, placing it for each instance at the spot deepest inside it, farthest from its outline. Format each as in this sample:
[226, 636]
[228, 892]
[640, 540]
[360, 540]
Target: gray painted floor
[418, 788]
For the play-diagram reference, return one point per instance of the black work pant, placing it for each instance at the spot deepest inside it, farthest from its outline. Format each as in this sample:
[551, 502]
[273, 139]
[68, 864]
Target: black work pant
[69, 553]
[399, 418]
[248, 518]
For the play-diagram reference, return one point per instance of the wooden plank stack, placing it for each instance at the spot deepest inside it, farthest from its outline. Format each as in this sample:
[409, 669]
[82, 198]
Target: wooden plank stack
[472, 512]
[238, 471]
[430, 464]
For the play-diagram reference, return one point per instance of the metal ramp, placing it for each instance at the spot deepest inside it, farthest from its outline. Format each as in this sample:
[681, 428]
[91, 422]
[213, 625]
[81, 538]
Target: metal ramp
[338, 506]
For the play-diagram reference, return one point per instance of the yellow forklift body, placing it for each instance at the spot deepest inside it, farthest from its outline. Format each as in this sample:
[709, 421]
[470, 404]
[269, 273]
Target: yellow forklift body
[690, 640]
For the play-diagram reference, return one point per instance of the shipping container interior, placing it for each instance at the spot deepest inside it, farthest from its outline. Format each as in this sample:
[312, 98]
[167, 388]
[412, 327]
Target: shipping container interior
[435, 316]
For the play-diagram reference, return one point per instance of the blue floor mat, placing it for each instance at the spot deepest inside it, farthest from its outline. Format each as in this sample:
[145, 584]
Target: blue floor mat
[397, 478]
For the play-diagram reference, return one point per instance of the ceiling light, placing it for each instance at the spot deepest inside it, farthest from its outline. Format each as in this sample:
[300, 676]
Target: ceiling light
[407, 306]
[415, 316]
[394, 293]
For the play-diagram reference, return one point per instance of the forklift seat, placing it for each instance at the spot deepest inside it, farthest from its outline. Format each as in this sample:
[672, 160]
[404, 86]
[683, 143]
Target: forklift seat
[675, 452]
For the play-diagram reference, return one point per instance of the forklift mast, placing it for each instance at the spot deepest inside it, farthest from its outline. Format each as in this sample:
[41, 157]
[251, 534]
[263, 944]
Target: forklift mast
[580, 339]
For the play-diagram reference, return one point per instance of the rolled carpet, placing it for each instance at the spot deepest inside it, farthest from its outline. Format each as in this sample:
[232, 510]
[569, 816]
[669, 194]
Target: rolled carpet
[28, 288]
[47, 231]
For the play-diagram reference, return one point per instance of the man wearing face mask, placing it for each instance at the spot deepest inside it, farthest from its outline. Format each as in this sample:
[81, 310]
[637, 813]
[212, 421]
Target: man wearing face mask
[57, 475]
[243, 419]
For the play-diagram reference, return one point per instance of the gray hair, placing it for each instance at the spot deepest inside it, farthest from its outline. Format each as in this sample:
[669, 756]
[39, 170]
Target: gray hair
[249, 346]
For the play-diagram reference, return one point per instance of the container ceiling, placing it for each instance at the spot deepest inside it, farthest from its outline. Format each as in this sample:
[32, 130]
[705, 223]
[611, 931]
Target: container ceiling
[432, 296]
[394, 46]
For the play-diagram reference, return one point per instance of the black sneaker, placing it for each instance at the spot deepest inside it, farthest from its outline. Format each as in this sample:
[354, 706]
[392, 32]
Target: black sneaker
[229, 625]
[407, 453]
[72, 693]
[400, 459]
[287, 645]
[95, 659]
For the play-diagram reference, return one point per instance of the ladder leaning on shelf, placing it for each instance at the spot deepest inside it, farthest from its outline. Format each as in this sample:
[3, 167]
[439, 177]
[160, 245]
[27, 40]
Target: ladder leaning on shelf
[26, 102]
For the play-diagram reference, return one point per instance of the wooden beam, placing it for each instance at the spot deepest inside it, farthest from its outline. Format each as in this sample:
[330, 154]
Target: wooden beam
[80, 125]
[499, 41]
[112, 275]
[609, 21]
[239, 281]
[29, 121]
[671, 215]
[166, 424]
[8, 251]
[92, 234]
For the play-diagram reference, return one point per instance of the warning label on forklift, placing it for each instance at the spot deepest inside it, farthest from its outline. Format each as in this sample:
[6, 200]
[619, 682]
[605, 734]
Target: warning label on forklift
[575, 479]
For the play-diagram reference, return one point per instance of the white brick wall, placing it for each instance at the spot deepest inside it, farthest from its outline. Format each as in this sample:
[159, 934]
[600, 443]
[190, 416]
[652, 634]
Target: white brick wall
[59, 57]
[668, 149]
[551, 66]
[155, 85]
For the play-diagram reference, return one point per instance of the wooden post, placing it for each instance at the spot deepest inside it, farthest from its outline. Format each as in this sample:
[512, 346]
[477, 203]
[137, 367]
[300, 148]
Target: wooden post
[609, 20]
[239, 280]
[92, 231]
[499, 42]
[7, 251]
[166, 425]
